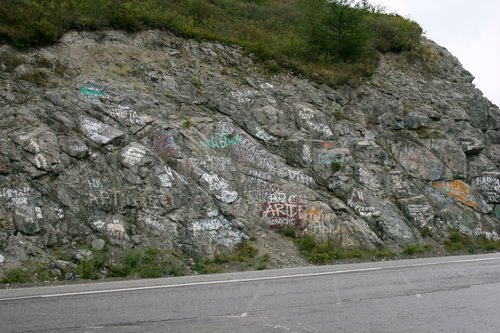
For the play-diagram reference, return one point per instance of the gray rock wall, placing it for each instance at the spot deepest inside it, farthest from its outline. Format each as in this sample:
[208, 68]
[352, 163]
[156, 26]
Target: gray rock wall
[149, 138]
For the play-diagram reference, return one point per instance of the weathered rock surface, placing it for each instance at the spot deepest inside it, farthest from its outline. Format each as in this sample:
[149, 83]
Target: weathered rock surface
[152, 139]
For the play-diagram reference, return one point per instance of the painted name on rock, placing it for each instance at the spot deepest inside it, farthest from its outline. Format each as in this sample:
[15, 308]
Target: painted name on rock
[126, 113]
[222, 141]
[325, 158]
[93, 91]
[282, 213]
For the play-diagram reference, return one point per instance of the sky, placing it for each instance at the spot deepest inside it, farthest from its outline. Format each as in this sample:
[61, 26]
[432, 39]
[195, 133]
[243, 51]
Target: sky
[469, 29]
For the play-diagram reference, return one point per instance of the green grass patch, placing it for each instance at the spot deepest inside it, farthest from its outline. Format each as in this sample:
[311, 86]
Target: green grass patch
[145, 263]
[245, 256]
[320, 252]
[458, 242]
[416, 248]
[288, 231]
[384, 254]
[141, 262]
[261, 266]
[87, 271]
[29, 272]
[16, 275]
[206, 266]
[245, 252]
[332, 41]
[426, 232]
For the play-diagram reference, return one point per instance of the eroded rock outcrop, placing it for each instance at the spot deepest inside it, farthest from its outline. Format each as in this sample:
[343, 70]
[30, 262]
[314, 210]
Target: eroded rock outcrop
[192, 147]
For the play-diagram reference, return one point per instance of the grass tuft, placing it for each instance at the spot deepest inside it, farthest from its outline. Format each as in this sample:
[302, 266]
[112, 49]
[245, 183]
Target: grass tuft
[43, 62]
[336, 166]
[341, 115]
[86, 270]
[288, 231]
[10, 61]
[39, 77]
[416, 248]
[123, 71]
[426, 232]
[196, 82]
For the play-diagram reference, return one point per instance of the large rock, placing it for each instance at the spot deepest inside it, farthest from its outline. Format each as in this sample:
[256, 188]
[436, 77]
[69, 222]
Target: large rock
[488, 184]
[26, 219]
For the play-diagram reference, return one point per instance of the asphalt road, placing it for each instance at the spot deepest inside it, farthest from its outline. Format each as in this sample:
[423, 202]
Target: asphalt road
[451, 294]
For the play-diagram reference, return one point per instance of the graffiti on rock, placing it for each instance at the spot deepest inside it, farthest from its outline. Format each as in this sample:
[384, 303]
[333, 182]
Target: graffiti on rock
[244, 96]
[221, 187]
[218, 228]
[221, 141]
[325, 158]
[307, 115]
[489, 186]
[252, 154]
[225, 129]
[283, 210]
[306, 154]
[261, 134]
[108, 199]
[458, 190]
[357, 202]
[93, 91]
[162, 143]
[283, 213]
[133, 155]
[126, 113]
[326, 144]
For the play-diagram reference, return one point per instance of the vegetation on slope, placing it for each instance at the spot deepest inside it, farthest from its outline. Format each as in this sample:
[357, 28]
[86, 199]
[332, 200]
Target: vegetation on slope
[335, 41]
[329, 250]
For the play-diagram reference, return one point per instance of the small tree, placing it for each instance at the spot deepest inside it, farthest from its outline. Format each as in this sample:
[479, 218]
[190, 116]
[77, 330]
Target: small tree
[340, 34]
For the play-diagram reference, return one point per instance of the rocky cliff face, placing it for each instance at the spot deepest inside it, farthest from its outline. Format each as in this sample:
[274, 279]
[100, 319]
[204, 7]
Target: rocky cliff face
[153, 139]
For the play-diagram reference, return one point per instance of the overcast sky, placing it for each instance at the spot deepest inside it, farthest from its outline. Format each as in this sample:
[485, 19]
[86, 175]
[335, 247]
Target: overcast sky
[469, 29]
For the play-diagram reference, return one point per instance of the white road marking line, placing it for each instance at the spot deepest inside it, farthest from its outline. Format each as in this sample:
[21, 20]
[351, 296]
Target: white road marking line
[265, 278]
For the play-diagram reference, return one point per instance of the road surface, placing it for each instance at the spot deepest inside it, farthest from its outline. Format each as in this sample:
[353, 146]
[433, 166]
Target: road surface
[450, 294]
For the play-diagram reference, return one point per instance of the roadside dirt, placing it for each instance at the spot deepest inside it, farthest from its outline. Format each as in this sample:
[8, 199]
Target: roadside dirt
[282, 250]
